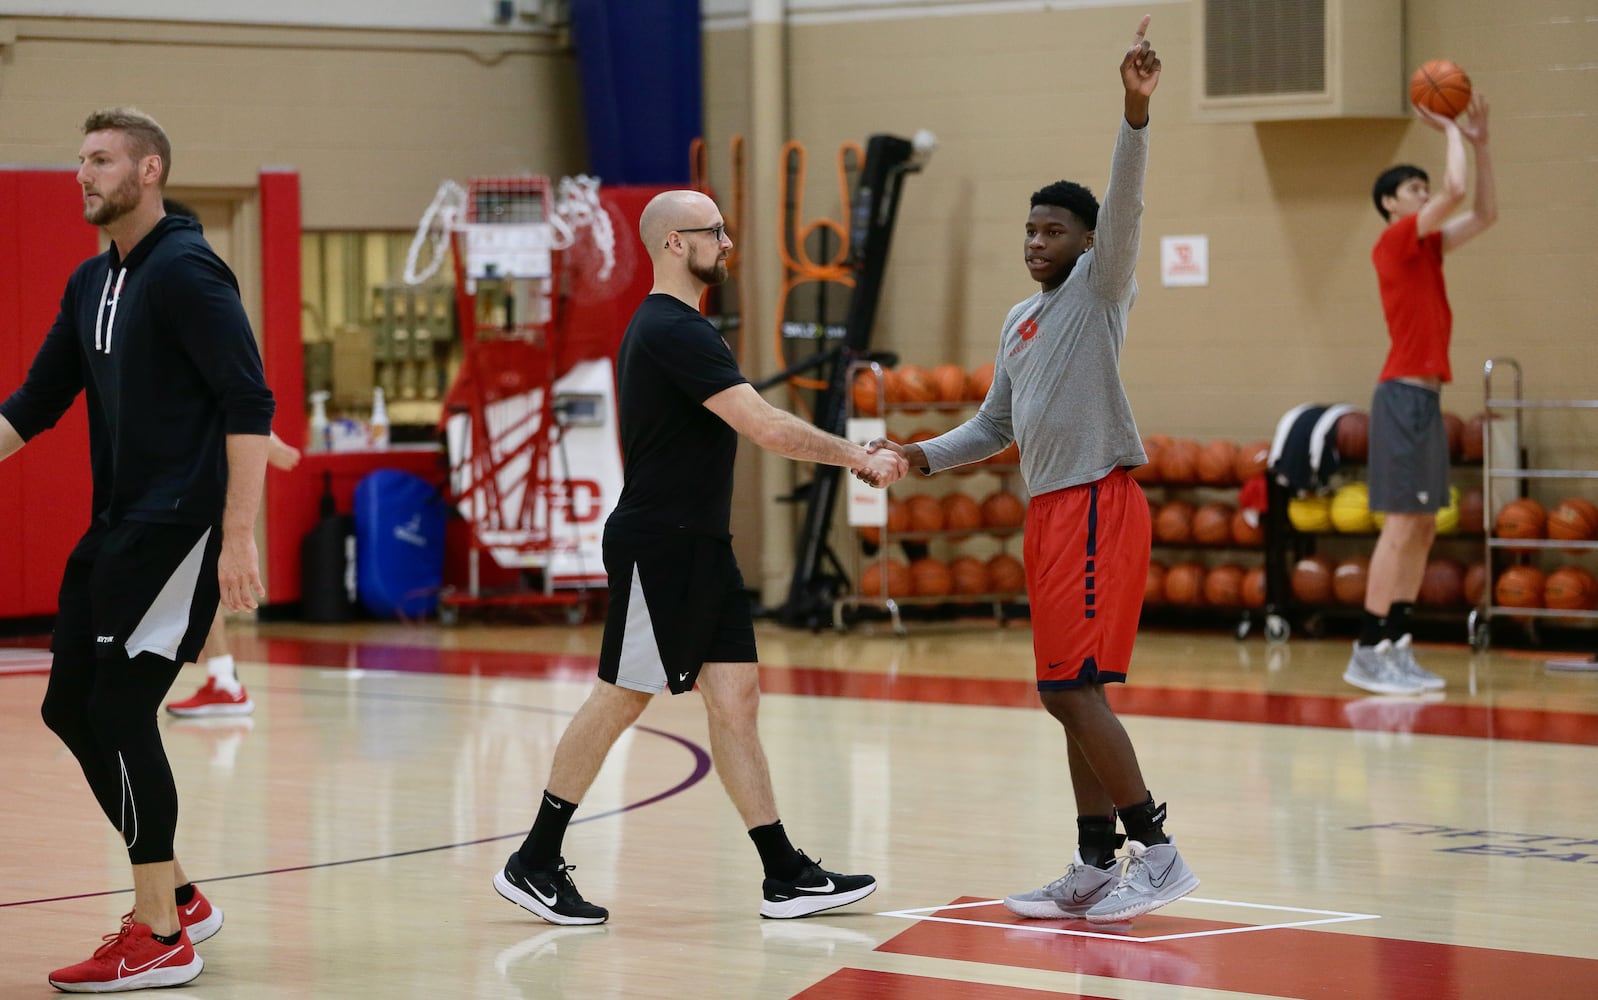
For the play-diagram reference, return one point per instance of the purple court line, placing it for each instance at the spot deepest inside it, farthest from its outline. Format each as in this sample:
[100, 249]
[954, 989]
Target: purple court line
[701, 769]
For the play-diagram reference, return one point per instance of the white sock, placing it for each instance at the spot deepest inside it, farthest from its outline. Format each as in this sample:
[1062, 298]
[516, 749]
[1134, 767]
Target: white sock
[221, 669]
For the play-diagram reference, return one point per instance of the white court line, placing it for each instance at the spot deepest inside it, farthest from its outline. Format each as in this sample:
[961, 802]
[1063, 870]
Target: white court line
[20, 661]
[1327, 917]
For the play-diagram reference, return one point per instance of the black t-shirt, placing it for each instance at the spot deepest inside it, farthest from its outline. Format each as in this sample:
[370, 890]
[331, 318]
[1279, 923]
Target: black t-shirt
[677, 456]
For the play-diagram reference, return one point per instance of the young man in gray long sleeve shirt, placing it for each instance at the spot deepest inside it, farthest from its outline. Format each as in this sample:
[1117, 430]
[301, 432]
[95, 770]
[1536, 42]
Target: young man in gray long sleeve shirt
[1057, 393]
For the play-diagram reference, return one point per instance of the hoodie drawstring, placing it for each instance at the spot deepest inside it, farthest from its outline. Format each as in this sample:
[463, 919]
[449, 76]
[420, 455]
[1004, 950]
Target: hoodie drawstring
[115, 296]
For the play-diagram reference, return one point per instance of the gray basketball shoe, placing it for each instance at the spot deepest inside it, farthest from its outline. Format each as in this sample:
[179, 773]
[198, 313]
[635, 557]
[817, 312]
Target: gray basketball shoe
[1376, 669]
[1153, 877]
[1404, 653]
[1070, 895]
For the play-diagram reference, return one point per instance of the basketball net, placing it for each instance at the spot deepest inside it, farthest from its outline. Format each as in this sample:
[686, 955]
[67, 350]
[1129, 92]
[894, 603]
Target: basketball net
[577, 209]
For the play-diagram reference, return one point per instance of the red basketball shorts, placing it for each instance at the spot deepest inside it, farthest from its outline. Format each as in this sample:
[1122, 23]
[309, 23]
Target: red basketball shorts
[1087, 560]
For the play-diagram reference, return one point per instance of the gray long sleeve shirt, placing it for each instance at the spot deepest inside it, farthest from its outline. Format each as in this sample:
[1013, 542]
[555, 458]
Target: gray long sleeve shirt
[1057, 389]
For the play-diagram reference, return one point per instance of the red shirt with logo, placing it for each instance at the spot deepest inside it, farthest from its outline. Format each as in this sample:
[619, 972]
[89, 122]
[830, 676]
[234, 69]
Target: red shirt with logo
[1415, 299]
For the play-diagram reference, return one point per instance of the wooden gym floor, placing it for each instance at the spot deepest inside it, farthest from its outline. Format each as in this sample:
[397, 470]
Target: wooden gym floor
[1349, 846]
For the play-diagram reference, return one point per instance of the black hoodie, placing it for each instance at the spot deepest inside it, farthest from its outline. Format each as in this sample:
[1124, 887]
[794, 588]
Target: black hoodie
[160, 346]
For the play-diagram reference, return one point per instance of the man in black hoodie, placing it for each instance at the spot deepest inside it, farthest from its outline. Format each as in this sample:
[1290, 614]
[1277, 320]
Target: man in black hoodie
[153, 333]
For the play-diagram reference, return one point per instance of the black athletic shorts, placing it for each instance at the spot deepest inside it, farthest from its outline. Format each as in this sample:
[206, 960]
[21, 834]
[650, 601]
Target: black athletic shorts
[1408, 463]
[677, 602]
[138, 588]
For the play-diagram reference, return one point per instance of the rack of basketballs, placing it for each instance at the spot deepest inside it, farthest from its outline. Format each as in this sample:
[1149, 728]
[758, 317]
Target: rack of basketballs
[952, 539]
[1325, 576]
[1206, 504]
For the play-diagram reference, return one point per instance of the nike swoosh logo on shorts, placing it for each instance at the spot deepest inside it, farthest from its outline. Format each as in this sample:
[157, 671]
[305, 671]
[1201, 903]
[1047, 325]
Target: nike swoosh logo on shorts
[1055, 666]
[828, 887]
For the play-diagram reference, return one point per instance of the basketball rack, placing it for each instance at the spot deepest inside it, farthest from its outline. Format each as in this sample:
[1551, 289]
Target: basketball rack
[1506, 476]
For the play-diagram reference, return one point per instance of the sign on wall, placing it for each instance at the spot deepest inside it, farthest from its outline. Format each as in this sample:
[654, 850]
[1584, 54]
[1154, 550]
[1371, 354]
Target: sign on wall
[1184, 260]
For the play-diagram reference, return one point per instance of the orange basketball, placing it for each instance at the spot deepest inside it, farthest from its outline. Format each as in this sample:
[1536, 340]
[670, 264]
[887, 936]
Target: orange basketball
[1217, 463]
[867, 399]
[1252, 459]
[1184, 585]
[1570, 588]
[1456, 434]
[1149, 472]
[1470, 512]
[1223, 586]
[1253, 595]
[926, 513]
[1521, 518]
[1001, 510]
[930, 578]
[1443, 584]
[1441, 87]
[949, 380]
[898, 523]
[1475, 582]
[1006, 575]
[1353, 436]
[1519, 587]
[979, 382]
[1179, 462]
[1348, 581]
[899, 582]
[893, 384]
[1573, 519]
[968, 575]
[1212, 524]
[1173, 523]
[1154, 584]
[1312, 580]
[916, 387]
[1470, 448]
[1248, 528]
[961, 513]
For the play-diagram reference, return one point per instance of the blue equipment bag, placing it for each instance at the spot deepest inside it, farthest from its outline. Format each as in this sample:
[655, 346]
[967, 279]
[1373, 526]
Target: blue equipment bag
[399, 544]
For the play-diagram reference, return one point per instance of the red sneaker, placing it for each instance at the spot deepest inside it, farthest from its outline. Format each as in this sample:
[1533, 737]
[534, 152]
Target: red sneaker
[131, 959]
[214, 700]
[200, 919]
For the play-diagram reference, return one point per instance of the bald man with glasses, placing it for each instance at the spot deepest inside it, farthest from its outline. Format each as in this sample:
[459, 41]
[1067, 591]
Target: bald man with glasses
[679, 615]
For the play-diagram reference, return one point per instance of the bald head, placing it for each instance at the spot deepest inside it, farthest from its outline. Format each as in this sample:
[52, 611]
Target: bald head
[674, 210]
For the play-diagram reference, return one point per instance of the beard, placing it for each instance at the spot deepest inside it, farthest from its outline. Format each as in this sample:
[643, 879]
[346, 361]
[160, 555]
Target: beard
[712, 274]
[114, 204]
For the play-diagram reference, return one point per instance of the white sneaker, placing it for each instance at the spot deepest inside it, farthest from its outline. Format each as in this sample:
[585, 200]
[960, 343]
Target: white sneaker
[1071, 895]
[1153, 877]
[1375, 669]
[1404, 654]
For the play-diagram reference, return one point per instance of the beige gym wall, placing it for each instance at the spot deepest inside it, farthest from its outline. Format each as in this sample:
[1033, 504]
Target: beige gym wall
[373, 120]
[1291, 315]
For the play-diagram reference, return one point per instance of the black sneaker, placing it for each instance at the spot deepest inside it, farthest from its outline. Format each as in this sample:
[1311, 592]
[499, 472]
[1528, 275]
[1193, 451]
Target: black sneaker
[814, 890]
[547, 892]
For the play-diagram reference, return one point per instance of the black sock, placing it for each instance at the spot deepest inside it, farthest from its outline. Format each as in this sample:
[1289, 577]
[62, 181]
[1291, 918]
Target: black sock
[1398, 620]
[1145, 822]
[777, 855]
[1371, 628]
[1097, 840]
[168, 939]
[185, 893]
[542, 846]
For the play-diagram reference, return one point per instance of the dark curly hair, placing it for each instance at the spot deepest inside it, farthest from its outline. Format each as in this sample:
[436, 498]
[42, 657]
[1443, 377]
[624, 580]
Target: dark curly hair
[1389, 182]
[1072, 197]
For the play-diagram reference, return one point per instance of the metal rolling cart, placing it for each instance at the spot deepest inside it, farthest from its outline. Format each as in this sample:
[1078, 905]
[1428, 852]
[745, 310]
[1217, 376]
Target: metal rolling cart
[1505, 476]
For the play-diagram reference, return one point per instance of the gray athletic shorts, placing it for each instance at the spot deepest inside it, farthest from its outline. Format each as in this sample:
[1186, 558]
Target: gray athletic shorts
[1408, 464]
[677, 602]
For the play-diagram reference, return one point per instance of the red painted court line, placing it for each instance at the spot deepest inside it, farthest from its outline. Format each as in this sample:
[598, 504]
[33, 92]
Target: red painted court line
[864, 984]
[1322, 711]
[1290, 962]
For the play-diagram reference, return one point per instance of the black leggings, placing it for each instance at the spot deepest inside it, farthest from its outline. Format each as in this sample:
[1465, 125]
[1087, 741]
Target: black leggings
[104, 710]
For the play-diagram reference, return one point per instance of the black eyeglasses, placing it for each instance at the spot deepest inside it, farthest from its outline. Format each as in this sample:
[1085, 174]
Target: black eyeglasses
[720, 231]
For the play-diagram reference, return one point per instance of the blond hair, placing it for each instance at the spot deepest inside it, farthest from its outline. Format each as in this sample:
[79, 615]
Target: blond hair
[145, 135]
